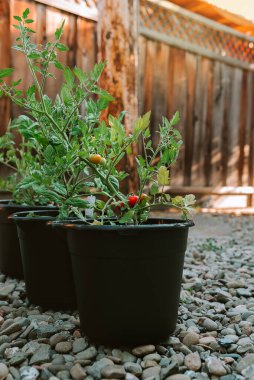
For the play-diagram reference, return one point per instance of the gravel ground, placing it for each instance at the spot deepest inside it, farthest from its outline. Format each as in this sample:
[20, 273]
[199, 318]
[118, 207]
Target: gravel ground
[214, 338]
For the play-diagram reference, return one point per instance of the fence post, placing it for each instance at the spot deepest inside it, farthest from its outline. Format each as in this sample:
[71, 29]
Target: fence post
[5, 59]
[118, 45]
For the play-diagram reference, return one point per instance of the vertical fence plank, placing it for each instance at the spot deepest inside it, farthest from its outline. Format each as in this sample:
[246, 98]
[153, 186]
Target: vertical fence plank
[218, 106]
[209, 126]
[86, 51]
[242, 128]
[234, 125]
[180, 96]
[160, 89]
[54, 18]
[191, 69]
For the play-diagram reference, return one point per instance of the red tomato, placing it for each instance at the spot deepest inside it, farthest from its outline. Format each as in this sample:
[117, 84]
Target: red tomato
[132, 200]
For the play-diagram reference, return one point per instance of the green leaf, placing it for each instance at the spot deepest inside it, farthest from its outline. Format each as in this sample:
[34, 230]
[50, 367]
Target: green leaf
[59, 32]
[77, 202]
[80, 74]
[49, 154]
[97, 71]
[102, 104]
[58, 65]
[31, 90]
[18, 18]
[34, 55]
[103, 94]
[26, 13]
[16, 83]
[154, 189]
[114, 181]
[61, 47]
[29, 21]
[175, 119]
[6, 72]
[68, 76]
[127, 217]
[141, 124]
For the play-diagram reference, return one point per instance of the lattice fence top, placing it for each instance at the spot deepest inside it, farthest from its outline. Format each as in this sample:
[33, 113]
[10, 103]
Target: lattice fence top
[166, 22]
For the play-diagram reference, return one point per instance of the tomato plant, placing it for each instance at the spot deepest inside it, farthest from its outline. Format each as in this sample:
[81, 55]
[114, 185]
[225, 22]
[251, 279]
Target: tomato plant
[80, 153]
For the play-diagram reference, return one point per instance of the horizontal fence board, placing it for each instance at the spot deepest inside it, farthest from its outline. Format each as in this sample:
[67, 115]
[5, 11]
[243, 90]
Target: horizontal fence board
[192, 48]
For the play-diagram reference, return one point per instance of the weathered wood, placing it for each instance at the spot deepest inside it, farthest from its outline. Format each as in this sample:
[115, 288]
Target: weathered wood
[210, 190]
[191, 68]
[54, 18]
[5, 59]
[86, 51]
[180, 96]
[160, 89]
[76, 8]
[218, 104]
[118, 45]
[242, 128]
[208, 124]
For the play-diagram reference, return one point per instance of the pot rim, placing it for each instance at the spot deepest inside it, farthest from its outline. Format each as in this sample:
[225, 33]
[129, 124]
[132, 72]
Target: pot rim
[9, 203]
[168, 224]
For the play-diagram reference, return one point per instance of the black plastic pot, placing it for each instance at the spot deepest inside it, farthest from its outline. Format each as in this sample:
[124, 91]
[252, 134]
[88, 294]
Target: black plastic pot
[46, 261]
[128, 279]
[10, 258]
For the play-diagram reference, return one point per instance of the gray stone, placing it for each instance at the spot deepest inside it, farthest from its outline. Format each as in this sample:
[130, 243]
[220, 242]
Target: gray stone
[248, 372]
[113, 372]
[41, 355]
[46, 331]
[209, 324]
[18, 358]
[77, 372]
[87, 354]
[3, 371]
[242, 292]
[245, 362]
[95, 369]
[15, 327]
[29, 373]
[130, 376]
[156, 357]
[143, 350]
[148, 363]
[215, 366]
[133, 368]
[193, 361]
[30, 348]
[151, 372]
[59, 337]
[63, 375]
[63, 347]
[191, 338]
[178, 377]
[79, 345]
[6, 290]
[128, 357]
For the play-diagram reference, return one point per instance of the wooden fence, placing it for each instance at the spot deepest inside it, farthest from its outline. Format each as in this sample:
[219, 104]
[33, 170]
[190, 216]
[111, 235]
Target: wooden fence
[210, 86]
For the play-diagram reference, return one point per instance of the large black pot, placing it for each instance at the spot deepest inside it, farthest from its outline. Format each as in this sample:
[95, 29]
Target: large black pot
[46, 261]
[10, 258]
[128, 279]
